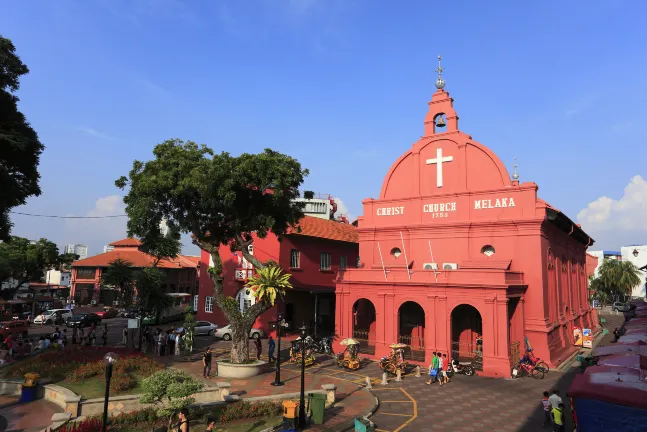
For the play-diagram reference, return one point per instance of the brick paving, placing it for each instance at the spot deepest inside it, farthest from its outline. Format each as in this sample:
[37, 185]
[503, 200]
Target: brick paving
[31, 417]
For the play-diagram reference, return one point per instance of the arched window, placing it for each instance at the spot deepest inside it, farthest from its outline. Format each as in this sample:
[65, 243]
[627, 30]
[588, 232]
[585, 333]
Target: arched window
[396, 252]
[245, 299]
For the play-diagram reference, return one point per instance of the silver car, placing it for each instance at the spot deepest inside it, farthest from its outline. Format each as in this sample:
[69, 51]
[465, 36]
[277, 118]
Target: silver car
[225, 333]
[205, 328]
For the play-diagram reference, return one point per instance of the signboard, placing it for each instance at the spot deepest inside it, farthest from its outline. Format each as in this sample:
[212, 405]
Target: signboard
[596, 303]
[133, 323]
[587, 337]
[577, 336]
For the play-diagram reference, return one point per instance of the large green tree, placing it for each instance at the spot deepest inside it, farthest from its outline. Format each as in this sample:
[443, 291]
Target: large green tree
[25, 261]
[120, 274]
[220, 200]
[20, 148]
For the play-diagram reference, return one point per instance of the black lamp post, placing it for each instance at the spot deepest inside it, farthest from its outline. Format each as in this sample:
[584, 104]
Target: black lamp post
[302, 400]
[109, 359]
[277, 379]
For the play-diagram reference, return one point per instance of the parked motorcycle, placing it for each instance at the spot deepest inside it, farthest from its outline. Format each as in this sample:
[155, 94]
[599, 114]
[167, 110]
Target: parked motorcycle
[321, 346]
[460, 368]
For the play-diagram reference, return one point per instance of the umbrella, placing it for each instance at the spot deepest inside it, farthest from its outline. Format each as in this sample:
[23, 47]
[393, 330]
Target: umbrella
[398, 346]
[349, 341]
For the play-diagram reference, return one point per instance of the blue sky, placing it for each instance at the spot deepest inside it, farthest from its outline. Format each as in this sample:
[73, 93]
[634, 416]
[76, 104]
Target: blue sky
[337, 84]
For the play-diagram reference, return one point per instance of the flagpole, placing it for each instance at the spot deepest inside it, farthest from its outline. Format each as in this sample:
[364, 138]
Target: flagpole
[382, 260]
[406, 261]
[432, 260]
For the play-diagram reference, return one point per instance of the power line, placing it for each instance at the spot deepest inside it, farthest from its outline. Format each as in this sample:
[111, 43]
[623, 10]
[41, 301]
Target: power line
[69, 217]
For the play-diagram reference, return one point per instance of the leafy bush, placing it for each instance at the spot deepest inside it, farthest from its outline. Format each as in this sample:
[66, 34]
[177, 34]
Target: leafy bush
[91, 424]
[122, 382]
[172, 386]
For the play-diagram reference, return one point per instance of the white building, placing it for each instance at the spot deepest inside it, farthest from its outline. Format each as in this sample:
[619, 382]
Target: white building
[637, 254]
[79, 249]
[602, 255]
[108, 248]
[322, 206]
[56, 277]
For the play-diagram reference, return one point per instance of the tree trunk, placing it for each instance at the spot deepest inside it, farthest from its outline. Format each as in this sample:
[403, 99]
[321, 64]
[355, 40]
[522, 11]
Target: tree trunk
[240, 342]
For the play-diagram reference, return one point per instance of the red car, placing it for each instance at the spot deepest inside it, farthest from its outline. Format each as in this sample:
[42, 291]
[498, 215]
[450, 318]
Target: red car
[107, 312]
[13, 327]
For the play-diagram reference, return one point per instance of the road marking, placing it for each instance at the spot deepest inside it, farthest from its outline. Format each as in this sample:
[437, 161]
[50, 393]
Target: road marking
[415, 411]
[384, 389]
[393, 414]
[381, 430]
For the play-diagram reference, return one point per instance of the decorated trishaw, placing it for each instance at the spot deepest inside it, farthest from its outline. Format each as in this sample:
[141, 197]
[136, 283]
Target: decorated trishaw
[296, 350]
[395, 361]
[349, 359]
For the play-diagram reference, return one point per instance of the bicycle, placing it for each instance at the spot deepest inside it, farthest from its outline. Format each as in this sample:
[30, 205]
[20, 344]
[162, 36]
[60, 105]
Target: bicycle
[536, 361]
[524, 368]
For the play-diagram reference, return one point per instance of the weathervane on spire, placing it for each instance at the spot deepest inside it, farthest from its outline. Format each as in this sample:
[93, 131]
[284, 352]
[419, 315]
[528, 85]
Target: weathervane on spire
[440, 82]
[515, 174]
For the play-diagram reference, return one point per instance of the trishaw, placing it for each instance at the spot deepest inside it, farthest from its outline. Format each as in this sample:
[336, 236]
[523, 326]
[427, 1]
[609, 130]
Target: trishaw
[349, 359]
[395, 361]
[295, 353]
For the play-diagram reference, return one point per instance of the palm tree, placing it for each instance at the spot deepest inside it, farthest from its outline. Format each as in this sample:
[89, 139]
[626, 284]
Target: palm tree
[619, 276]
[269, 283]
[120, 274]
[150, 294]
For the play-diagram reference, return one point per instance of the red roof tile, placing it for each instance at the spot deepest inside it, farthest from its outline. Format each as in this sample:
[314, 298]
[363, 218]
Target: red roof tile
[136, 257]
[126, 242]
[327, 229]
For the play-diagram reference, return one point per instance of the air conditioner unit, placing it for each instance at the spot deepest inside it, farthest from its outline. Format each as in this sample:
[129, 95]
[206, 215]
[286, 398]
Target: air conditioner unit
[430, 266]
[450, 266]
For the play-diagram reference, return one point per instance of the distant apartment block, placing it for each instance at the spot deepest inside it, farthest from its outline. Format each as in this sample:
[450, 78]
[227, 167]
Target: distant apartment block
[79, 249]
[108, 248]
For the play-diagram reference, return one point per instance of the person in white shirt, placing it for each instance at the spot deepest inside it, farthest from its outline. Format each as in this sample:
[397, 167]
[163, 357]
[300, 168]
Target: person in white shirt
[441, 370]
[554, 400]
[41, 344]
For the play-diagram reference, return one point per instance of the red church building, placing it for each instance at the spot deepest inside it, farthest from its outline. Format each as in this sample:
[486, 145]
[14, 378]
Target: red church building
[454, 248]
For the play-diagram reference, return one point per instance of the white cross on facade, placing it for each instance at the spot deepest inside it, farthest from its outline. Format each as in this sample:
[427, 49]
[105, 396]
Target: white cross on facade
[439, 160]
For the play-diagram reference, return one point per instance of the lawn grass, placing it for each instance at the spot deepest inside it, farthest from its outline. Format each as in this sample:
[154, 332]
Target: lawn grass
[96, 387]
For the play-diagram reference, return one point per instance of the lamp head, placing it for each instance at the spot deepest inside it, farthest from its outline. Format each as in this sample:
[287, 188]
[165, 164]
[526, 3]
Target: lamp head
[110, 358]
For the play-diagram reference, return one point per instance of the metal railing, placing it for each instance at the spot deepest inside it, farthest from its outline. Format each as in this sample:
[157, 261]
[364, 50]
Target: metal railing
[366, 345]
[515, 353]
[416, 350]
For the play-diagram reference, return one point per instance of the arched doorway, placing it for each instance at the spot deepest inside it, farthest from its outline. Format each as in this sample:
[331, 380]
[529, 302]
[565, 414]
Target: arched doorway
[411, 330]
[364, 325]
[467, 324]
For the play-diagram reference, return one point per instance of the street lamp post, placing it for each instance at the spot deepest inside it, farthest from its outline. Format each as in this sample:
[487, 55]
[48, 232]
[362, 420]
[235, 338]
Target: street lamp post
[302, 399]
[109, 359]
[277, 379]
[141, 329]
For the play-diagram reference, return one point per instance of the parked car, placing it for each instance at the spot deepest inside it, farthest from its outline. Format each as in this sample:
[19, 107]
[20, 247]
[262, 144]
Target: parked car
[15, 328]
[50, 315]
[107, 312]
[203, 328]
[83, 320]
[225, 333]
[24, 316]
[620, 307]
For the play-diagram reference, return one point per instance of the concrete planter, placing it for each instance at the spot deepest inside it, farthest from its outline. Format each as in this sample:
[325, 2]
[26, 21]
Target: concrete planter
[231, 370]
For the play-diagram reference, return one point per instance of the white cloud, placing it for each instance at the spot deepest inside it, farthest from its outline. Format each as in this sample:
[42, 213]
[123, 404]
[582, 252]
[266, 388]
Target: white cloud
[612, 222]
[98, 232]
[93, 132]
[343, 210]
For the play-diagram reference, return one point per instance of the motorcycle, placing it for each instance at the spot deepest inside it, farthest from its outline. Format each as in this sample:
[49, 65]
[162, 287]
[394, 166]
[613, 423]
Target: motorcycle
[322, 346]
[460, 368]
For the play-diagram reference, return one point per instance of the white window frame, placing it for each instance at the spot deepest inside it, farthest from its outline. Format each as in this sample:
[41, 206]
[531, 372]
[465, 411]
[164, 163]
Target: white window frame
[196, 302]
[343, 262]
[208, 304]
[325, 259]
[295, 258]
[245, 300]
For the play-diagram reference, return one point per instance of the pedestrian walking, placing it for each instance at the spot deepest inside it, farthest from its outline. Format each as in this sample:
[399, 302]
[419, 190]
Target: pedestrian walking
[554, 400]
[259, 348]
[178, 341]
[446, 364]
[124, 336]
[171, 342]
[546, 405]
[433, 369]
[271, 346]
[159, 342]
[441, 371]
[616, 335]
[104, 335]
[558, 418]
[42, 318]
[206, 363]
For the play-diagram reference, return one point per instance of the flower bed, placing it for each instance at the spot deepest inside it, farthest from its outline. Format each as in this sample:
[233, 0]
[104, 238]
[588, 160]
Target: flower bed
[76, 365]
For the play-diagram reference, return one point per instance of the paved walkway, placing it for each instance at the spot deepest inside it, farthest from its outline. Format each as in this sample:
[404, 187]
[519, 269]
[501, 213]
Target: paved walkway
[352, 400]
[31, 417]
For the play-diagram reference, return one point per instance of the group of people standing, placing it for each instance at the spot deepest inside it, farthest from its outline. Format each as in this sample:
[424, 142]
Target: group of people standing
[168, 342]
[437, 371]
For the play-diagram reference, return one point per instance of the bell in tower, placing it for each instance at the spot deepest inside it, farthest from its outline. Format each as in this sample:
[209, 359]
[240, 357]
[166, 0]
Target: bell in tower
[440, 121]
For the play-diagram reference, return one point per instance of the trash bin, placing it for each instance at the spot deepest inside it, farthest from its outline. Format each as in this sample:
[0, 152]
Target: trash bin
[317, 405]
[289, 415]
[29, 387]
[364, 425]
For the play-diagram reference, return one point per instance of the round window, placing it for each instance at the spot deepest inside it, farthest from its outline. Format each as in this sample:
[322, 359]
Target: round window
[487, 250]
[396, 252]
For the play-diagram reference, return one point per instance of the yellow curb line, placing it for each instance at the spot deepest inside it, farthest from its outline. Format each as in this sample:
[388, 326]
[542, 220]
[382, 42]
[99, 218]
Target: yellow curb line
[415, 411]
[381, 430]
[384, 389]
